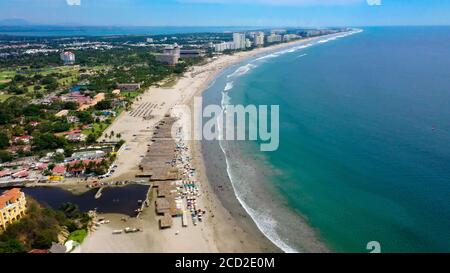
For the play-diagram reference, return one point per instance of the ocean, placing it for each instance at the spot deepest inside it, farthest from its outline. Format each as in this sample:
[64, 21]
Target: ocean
[364, 141]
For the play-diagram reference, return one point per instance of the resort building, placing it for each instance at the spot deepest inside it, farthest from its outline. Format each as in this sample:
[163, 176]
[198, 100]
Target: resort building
[290, 37]
[12, 207]
[192, 53]
[248, 43]
[68, 58]
[239, 40]
[258, 39]
[274, 38]
[76, 97]
[127, 87]
[170, 56]
[224, 46]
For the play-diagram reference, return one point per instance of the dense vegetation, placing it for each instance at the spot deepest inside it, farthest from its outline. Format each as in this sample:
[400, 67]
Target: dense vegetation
[42, 226]
[35, 75]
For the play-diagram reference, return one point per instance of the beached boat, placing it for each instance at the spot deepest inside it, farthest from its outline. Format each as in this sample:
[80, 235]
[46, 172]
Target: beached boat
[131, 230]
[184, 219]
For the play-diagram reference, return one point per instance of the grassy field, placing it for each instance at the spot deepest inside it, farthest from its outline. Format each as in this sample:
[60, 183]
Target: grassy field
[7, 75]
[78, 236]
[69, 75]
[97, 128]
[4, 97]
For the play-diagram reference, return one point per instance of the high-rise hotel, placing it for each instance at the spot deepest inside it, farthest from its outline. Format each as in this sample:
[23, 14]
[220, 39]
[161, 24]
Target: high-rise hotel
[239, 40]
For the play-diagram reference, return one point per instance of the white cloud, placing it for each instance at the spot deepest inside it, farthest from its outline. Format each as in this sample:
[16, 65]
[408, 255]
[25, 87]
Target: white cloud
[374, 2]
[73, 2]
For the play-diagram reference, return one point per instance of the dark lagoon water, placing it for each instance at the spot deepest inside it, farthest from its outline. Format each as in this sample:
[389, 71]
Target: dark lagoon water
[123, 200]
[364, 141]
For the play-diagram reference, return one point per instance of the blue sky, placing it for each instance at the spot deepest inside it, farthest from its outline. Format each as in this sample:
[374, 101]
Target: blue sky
[229, 12]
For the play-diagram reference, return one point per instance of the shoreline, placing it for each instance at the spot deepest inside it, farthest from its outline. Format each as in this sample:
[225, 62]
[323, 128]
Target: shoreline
[226, 228]
[224, 188]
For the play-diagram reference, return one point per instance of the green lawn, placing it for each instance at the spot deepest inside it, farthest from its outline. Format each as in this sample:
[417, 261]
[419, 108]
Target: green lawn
[97, 128]
[7, 74]
[131, 95]
[78, 236]
[4, 97]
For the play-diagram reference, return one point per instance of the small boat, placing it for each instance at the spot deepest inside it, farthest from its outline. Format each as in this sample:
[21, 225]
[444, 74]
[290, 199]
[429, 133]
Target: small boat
[99, 193]
[131, 230]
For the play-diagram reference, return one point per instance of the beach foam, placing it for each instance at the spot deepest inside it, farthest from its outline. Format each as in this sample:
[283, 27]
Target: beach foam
[242, 70]
[228, 86]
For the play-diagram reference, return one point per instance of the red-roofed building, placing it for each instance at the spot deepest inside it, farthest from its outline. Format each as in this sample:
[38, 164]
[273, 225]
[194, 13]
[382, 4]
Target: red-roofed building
[41, 166]
[21, 174]
[5, 173]
[79, 166]
[22, 139]
[74, 131]
[77, 97]
[59, 170]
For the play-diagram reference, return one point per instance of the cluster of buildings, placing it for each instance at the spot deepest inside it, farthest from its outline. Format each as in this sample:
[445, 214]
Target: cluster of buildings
[83, 101]
[239, 43]
[76, 97]
[33, 169]
[259, 38]
[256, 39]
[128, 87]
[13, 206]
[274, 38]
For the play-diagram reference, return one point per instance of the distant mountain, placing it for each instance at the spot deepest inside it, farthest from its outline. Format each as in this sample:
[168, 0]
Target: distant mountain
[14, 22]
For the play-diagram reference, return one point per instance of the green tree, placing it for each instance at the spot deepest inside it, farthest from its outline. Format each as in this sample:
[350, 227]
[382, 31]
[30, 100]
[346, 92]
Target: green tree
[4, 140]
[70, 105]
[44, 239]
[103, 105]
[91, 138]
[60, 126]
[5, 156]
[58, 157]
[85, 117]
[48, 141]
[11, 246]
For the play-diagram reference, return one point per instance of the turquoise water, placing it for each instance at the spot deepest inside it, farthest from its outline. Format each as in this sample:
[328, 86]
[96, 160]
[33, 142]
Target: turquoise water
[364, 139]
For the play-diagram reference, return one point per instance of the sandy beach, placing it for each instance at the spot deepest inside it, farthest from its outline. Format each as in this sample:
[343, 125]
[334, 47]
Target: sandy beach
[227, 229]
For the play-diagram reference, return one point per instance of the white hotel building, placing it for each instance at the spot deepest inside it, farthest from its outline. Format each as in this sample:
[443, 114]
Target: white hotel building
[239, 40]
